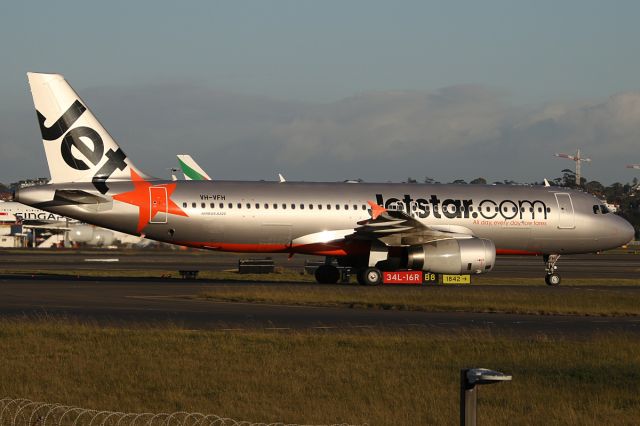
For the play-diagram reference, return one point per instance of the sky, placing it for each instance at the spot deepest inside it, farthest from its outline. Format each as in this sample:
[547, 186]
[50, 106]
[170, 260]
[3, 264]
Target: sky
[334, 90]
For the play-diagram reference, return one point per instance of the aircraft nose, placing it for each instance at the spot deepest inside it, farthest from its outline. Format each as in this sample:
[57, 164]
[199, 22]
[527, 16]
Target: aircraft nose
[623, 230]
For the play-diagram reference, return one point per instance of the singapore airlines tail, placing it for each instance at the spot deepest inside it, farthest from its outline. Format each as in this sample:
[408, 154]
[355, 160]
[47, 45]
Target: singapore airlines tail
[191, 169]
[77, 147]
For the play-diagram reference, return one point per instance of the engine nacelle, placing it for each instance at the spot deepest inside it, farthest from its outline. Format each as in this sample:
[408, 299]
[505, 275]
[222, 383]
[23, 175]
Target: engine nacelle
[91, 235]
[453, 256]
[81, 233]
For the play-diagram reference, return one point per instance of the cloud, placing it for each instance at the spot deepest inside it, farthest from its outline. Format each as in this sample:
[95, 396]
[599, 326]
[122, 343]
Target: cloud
[461, 131]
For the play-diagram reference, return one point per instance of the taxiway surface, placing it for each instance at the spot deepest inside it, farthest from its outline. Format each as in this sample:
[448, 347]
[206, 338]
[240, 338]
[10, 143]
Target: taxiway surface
[160, 302]
[606, 265]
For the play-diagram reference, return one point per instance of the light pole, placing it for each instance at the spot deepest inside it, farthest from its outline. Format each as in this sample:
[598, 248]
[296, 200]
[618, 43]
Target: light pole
[469, 379]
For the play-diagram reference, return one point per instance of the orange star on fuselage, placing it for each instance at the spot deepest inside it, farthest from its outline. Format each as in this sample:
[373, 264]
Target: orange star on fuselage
[141, 197]
[376, 210]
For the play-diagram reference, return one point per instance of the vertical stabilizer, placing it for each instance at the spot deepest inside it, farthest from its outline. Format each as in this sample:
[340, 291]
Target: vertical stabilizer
[77, 147]
[191, 169]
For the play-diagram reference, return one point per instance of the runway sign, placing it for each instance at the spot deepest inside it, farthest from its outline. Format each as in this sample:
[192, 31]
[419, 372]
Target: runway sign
[410, 278]
[403, 277]
[456, 279]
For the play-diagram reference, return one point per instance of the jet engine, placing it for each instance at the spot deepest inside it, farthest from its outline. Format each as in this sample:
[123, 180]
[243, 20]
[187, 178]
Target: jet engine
[453, 256]
[91, 235]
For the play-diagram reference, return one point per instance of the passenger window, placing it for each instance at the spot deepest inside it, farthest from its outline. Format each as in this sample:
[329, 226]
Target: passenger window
[184, 205]
[319, 206]
[221, 205]
[203, 205]
[355, 207]
[239, 205]
[540, 209]
[548, 209]
[248, 205]
[193, 205]
[346, 206]
[328, 206]
[266, 205]
[257, 205]
[212, 205]
[301, 206]
[310, 206]
[275, 205]
[284, 206]
[337, 206]
[293, 206]
[230, 205]
[364, 207]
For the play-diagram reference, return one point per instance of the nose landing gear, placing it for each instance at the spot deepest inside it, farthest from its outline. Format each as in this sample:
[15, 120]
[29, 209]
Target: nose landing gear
[552, 278]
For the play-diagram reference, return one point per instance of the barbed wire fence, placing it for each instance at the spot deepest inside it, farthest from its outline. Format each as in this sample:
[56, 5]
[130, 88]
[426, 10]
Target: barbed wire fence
[24, 412]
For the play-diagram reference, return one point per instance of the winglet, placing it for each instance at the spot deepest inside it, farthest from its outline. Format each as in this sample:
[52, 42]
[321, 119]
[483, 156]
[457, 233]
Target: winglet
[376, 210]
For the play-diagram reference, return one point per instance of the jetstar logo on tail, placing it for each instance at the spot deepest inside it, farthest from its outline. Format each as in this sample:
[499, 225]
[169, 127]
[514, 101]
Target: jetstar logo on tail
[141, 197]
[94, 153]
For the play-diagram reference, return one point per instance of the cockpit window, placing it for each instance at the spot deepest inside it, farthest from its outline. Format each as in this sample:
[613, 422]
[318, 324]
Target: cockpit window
[596, 209]
[604, 209]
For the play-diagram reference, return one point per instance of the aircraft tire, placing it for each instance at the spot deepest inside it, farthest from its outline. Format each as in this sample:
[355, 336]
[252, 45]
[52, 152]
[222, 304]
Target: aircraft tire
[552, 280]
[372, 276]
[327, 274]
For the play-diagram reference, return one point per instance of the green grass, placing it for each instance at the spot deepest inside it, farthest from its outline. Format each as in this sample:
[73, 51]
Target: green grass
[379, 378]
[524, 300]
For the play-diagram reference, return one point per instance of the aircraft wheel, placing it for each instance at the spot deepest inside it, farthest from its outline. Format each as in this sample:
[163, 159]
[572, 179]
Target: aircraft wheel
[552, 280]
[327, 274]
[372, 276]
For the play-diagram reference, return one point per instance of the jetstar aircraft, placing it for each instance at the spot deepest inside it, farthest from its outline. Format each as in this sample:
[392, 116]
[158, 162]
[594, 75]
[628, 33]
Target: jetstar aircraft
[453, 229]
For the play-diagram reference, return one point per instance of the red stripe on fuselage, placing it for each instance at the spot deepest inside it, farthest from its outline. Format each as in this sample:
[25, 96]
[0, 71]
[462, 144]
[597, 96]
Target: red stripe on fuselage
[335, 249]
[352, 248]
[509, 252]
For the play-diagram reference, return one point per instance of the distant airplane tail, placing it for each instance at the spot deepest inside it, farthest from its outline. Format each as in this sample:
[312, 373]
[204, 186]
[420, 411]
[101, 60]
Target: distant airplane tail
[77, 147]
[191, 169]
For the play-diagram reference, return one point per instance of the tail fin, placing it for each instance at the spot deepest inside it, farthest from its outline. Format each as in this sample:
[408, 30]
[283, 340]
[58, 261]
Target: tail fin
[77, 147]
[191, 169]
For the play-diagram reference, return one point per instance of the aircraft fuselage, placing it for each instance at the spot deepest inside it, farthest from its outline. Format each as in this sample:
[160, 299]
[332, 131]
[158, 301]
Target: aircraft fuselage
[270, 217]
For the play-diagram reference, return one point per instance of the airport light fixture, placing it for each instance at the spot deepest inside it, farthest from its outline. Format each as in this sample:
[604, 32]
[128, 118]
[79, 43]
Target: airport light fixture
[469, 379]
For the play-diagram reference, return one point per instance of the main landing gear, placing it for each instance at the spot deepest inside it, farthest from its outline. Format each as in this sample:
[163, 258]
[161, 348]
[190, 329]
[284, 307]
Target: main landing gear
[369, 276]
[327, 274]
[552, 278]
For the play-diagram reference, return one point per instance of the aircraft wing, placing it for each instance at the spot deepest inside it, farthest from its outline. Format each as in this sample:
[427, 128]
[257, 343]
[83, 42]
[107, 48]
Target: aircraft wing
[396, 228]
[391, 227]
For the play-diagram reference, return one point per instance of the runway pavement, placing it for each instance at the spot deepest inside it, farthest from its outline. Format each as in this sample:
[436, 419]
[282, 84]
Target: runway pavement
[160, 302]
[607, 265]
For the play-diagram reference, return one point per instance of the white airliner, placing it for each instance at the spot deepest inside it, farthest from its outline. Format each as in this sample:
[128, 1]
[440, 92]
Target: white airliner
[12, 212]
